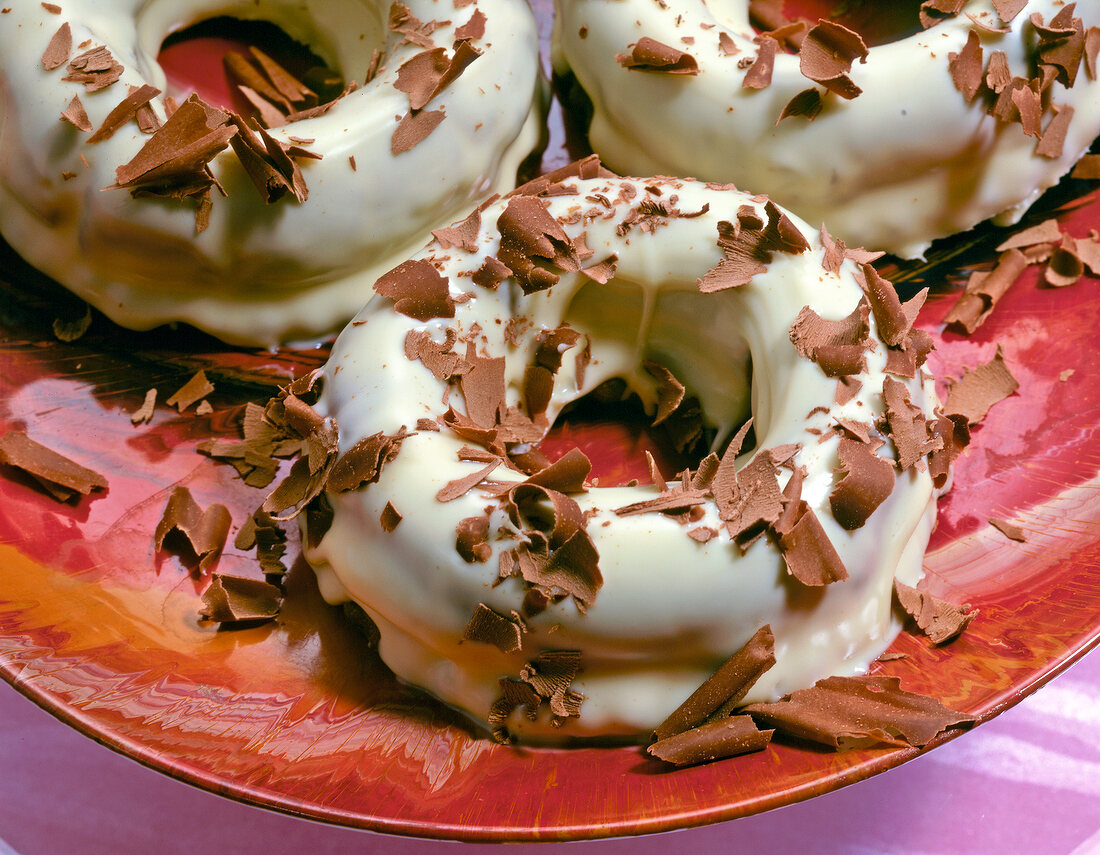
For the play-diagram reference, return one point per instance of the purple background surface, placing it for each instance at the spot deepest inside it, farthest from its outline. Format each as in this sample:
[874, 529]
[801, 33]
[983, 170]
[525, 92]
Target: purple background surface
[1025, 782]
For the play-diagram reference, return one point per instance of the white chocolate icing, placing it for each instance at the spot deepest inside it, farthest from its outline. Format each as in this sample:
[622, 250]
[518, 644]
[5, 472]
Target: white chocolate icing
[259, 274]
[904, 163]
[670, 609]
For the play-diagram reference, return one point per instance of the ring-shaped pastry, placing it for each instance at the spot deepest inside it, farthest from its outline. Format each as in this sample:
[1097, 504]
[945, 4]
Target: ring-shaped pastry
[908, 159]
[442, 385]
[259, 273]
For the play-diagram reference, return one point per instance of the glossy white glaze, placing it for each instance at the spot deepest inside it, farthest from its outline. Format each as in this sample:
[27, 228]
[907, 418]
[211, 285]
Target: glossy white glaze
[670, 609]
[905, 162]
[259, 274]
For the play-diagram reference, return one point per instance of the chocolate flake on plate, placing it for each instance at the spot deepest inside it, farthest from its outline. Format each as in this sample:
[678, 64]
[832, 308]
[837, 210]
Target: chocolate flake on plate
[973, 394]
[985, 289]
[196, 388]
[144, 413]
[61, 477]
[70, 329]
[262, 532]
[724, 737]
[205, 531]
[237, 599]
[1011, 530]
[938, 619]
[723, 690]
[858, 712]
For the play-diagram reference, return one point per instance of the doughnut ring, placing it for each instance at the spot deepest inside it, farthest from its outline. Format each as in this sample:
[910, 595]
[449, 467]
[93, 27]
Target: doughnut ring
[445, 382]
[258, 273]
[886, 145]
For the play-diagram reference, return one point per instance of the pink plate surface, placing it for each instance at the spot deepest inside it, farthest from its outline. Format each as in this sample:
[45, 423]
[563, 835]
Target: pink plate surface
[300, 715]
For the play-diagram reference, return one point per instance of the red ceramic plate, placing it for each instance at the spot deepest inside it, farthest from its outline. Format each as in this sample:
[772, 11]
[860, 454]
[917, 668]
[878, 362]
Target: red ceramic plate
[300, 715]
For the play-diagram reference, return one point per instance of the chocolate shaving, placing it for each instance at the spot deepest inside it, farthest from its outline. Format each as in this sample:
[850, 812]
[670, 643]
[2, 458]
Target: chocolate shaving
[61, 477]
[193, 390]
[933, 11]
[759, 73]
[1061, 43]
[403, 21]
[807, 551]
[58, 50]
[264, 534]
[362, 464]
[748, 244]
[973, 394]
[967, 67]
[144, 413]
[461, 486]
[76, 116]
[893, 318]
[857, 712]
[483, 388]
[473, 29]
[270, 166]
[472, 540]
[950, 436]
[1047, 231]
[906, 422]
[938, 619]
[838, 347]
[126, 110]
[390, 518]
[414, 128]
[236, 599]
[1010, 530]
[173, 162]
[463, 234]
[651, 55]
[724, 689]
[727, 737]
[205, 531]
[826, 57]
[1052, 142]
[807, 103]
[489, 627]
[984, 290]
[94, 68]
[670, 391]
[864, 482]
[418, 290]
[70, 329]
[1066, 265]
[1008, 9]
[429, 72]
[528, 235]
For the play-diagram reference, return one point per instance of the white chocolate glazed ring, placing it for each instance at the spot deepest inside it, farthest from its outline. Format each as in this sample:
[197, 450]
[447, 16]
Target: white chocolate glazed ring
[905, 162]
[259, 274]
[670, 608]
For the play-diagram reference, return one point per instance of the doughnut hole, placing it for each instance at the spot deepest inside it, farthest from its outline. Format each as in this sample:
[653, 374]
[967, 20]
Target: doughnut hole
[878, 23]
[612, 419]
[336, 36]
[194, 61]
